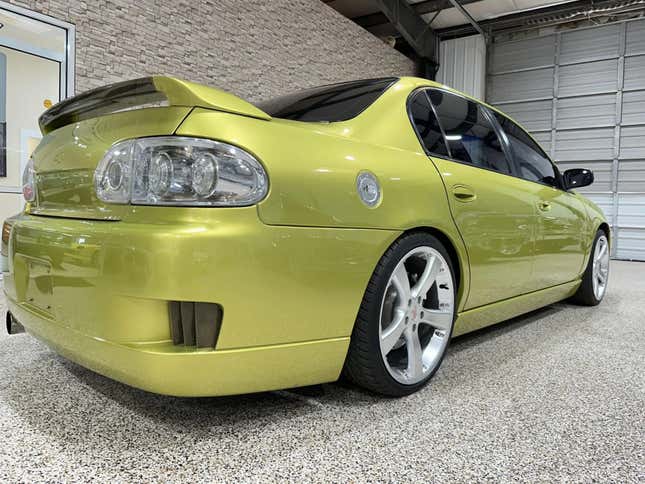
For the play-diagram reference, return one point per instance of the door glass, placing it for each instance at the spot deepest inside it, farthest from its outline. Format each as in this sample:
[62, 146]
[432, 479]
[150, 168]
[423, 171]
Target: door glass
[533, 164]
[470, 135]
[426, 125]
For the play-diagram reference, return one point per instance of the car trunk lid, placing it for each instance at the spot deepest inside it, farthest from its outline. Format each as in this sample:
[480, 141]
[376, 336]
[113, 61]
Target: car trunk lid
[80, 130]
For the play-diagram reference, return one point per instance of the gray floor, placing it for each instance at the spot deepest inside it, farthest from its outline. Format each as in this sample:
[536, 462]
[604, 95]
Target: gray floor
[555, 395]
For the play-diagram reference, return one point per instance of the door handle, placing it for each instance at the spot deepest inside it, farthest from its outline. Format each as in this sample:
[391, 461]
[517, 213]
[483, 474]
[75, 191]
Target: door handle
[463, 194]
[544, 206]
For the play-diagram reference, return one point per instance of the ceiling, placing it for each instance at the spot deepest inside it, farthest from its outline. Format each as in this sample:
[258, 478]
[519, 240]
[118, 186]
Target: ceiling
[440, 14]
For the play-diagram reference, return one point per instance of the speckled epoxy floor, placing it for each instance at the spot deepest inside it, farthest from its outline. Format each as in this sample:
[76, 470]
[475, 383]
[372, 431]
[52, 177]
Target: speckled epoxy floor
[558, 395]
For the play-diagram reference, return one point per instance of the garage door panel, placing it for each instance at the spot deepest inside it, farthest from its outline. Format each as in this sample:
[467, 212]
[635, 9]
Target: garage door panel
[631, 176]
[635, 38]
[534, 116]
[631, 244]
[632, 142]
[588, 78]
[602, 171]
[576, 117]
[543, 139]
[521, 86]
[586, 112]
[633, 107]
[584, 144]
[590, 44]
[631, 210]
[635, 72]
[523, 54]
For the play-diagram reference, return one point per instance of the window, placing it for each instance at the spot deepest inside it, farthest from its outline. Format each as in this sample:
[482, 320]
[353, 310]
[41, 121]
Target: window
[336, 102]
[531, 161]
[426, 125]
[470, 135]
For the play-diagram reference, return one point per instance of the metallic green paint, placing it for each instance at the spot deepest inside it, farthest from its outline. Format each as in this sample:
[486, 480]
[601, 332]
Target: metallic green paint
[93, 280]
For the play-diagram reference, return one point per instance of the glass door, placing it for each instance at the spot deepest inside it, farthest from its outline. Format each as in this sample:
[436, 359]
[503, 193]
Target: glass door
[35, 72]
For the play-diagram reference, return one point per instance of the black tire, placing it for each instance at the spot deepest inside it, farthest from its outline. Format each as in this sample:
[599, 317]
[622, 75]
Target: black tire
[585, 295]
[364, 364]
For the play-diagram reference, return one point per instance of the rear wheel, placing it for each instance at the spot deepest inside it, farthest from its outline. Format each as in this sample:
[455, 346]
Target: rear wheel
[406, 318]
[594, 280]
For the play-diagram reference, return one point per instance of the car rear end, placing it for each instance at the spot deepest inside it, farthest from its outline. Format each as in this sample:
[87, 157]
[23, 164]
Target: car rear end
[140, 253]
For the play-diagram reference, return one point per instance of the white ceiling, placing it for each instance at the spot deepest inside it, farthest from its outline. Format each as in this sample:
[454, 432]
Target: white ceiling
[485, 10]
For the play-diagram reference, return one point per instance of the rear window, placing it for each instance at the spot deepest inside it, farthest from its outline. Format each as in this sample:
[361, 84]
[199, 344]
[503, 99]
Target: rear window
[335, 102]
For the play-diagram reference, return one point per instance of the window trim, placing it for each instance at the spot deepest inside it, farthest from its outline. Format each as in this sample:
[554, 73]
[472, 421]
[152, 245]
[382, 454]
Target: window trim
[504, 139]
[443, 133]
[558, 175]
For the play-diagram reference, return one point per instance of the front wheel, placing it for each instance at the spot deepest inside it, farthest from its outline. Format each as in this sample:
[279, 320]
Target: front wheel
[594, 280]
[406, 318]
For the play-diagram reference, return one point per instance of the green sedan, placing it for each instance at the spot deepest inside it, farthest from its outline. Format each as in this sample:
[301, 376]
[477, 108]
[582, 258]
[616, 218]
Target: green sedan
[184, 241]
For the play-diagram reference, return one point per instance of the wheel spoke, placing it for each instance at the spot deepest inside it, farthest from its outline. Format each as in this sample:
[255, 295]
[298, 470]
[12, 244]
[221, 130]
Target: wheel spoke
[437, 319]
[393, 332]
[401, 284]
[421, 288]
[601, 252]
[415, 354]
[602, 277]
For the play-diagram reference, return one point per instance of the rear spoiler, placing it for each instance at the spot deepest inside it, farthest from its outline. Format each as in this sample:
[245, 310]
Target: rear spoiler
[142, 93]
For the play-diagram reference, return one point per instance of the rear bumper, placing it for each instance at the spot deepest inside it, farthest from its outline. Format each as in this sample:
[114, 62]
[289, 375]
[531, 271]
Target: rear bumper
[97, 292]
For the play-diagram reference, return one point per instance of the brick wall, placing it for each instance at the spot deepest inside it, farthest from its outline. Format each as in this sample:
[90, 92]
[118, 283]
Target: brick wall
[254, 48]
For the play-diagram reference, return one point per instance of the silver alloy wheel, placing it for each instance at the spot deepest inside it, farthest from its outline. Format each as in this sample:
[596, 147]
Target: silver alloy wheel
[600, 269]
[416, 315]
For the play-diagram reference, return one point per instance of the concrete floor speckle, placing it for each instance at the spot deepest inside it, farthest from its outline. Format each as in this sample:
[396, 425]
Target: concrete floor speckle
[557, 395]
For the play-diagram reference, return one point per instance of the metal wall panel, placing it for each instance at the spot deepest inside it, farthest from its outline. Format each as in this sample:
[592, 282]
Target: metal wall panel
[463, 65]
[590, 44]
[586, 112]
[635, 72]
[631, 244]
[635, 38]
[510, 56]
[632, 143]
[631, 176]
[633, 108]
[534, 116]
[588, 78]
[597, 118]
[584, 144]
[544, 140]
[521, 86]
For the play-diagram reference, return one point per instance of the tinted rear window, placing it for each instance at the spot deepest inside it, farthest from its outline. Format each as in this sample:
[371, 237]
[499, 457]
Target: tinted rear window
[336, 102]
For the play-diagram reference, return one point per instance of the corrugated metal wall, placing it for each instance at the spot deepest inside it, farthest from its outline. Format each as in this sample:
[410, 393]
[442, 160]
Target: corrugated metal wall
[582, 95]
[463, 65]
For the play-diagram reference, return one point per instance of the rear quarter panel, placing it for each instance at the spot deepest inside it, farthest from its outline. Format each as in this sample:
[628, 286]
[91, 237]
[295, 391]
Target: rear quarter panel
[313, 167]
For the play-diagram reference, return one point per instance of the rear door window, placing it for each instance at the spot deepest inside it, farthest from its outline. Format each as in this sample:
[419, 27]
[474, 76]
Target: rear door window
[426, 125]
[470, 135]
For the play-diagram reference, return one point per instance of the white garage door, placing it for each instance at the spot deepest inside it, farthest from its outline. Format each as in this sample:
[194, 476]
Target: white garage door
[581, 93]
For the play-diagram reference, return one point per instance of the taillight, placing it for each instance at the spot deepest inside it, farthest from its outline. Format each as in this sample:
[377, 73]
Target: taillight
[6, 233]
[29, 182]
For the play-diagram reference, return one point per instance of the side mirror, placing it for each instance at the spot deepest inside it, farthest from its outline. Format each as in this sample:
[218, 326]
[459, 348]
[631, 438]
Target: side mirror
[577, 178]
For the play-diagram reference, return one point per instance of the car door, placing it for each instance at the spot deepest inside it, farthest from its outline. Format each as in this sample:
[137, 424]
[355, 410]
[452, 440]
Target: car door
[559, 245]
[488, 204]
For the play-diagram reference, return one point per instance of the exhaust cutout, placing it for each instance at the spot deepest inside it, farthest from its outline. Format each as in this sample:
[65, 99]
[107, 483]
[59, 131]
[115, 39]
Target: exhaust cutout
[13, 326]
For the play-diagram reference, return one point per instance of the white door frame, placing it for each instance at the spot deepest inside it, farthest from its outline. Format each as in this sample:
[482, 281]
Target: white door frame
[67, 62]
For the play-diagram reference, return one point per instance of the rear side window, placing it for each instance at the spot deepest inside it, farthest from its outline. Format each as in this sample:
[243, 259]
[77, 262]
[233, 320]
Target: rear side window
[531, 161]
[426, 125]
[470, 135]
[336, 102]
